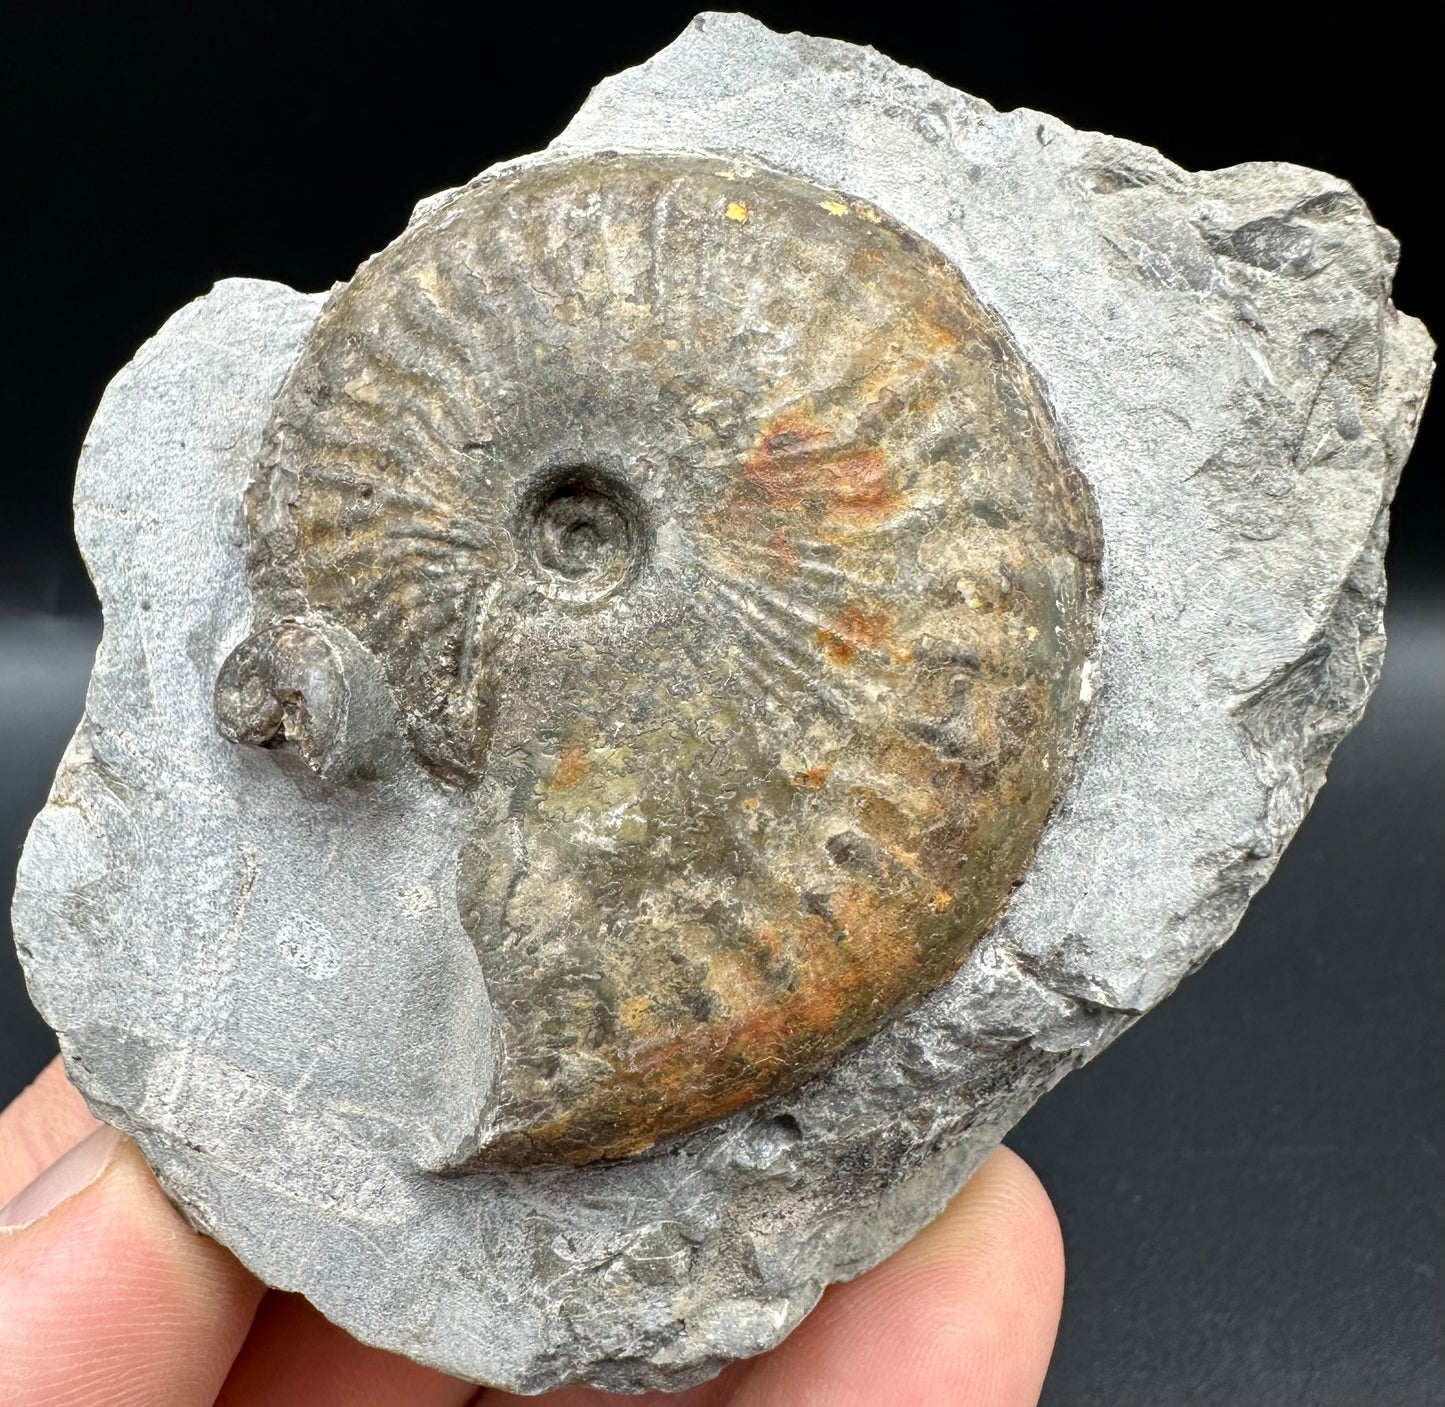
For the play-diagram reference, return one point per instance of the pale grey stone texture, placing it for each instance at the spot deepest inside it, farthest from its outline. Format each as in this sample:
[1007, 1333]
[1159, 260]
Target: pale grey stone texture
[263, 977]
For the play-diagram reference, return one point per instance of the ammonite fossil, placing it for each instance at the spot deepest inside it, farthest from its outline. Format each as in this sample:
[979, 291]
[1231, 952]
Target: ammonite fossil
[706, 530]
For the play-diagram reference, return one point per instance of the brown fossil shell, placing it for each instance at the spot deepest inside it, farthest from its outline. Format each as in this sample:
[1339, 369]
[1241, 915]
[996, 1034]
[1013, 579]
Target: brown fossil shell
[714, 538]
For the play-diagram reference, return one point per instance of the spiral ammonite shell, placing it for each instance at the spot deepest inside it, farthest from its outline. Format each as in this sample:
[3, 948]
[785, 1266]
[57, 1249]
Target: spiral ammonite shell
[714, 538]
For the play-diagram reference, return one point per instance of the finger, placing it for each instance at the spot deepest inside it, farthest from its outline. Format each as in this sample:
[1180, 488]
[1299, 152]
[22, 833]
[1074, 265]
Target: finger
[964, 1315]
[294, 1355]
[43, 1121]
[107, 1297]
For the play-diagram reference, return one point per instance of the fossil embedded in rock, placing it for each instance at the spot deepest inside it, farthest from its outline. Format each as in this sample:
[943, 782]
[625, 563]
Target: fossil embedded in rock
[674, 616]
[716, 540]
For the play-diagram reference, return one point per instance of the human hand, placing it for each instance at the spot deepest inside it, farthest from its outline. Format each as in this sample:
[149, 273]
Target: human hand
[108, 1299]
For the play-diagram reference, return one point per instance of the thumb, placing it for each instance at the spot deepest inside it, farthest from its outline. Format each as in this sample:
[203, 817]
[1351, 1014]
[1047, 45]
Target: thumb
[107, 1297]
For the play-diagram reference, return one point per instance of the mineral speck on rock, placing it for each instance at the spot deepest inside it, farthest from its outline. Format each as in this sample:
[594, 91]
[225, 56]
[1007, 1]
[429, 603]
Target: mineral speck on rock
[636, 738]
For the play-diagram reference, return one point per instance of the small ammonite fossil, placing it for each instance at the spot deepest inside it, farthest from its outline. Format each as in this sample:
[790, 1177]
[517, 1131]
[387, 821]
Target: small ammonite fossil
[705, 529]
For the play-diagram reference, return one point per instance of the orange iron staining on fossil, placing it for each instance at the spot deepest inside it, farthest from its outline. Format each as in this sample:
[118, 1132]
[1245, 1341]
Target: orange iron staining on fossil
[572, 767]
[798, 466]
[682, 544]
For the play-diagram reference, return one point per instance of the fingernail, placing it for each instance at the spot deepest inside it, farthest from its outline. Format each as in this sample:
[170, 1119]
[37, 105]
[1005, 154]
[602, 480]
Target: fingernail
[70, 1173]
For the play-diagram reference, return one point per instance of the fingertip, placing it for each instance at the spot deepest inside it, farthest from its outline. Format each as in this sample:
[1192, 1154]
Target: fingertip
[964, 1314]
[45, 1119]
[295, 1355]
[1004, 1213]
[69, 1174]
[110, 1298]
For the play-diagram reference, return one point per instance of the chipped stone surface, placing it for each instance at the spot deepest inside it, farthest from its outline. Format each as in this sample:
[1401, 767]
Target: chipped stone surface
[270, 985]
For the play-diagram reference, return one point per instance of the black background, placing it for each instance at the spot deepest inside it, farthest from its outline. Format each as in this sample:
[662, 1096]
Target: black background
[1251, 1182]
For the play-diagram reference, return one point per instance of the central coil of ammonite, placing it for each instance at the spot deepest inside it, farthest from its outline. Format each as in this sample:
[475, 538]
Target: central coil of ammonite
[705, 529]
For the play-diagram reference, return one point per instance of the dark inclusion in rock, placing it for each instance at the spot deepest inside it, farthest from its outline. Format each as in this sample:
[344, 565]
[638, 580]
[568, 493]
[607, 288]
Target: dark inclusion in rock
[714, 539]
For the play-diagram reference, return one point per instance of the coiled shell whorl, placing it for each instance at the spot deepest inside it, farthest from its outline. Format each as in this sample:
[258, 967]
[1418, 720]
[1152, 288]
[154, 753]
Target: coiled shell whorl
[714, 538]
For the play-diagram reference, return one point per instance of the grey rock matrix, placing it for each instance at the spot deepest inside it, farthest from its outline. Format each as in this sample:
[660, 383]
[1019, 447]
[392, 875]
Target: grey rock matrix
[266, 982]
